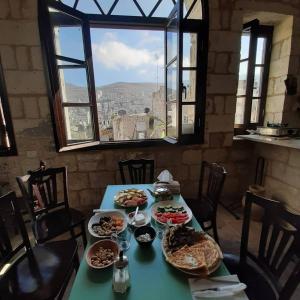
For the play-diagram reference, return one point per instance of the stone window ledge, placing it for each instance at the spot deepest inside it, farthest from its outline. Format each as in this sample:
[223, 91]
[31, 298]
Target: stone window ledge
[277, 141]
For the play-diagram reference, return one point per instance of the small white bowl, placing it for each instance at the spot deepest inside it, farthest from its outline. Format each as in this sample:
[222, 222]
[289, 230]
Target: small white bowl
[130, 219]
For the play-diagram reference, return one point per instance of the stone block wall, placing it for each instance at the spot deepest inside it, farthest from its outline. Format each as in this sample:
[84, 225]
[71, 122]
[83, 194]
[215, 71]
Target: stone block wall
[91, 171]
[282, 173]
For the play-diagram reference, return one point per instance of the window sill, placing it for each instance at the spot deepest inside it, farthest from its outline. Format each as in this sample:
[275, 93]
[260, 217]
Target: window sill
[293, 143]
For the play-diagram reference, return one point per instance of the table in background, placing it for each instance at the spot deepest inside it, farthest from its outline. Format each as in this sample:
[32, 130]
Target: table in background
[152, 278]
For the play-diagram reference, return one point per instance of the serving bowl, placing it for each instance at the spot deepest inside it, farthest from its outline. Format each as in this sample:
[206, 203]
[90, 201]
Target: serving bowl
[143, 230]
[131, 222]
[106, 244]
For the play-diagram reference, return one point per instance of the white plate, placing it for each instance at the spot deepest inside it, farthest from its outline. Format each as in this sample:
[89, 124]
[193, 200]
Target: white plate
[174, 204]
[197, 272]
[147, 219]
[105, 213]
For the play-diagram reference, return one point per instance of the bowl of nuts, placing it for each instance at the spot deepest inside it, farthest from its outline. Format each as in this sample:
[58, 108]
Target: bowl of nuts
[102, 254]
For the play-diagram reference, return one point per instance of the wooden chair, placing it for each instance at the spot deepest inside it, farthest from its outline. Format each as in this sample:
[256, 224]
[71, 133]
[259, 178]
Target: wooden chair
[139, 171]
[205, 206]
[36, 273]
[273, 270]
[49, 208]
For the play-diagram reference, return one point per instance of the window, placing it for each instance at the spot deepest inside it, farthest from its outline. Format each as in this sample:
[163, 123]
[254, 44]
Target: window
[124, 72]
[7, 139]
[255, 55]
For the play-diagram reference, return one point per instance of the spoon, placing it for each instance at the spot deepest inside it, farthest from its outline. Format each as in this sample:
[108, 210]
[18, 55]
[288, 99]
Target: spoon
[135, 214]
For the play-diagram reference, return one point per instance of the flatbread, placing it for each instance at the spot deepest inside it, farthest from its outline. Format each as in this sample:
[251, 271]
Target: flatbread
[188, 258]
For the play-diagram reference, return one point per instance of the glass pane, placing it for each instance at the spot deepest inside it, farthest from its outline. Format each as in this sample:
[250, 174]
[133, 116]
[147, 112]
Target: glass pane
[61, 62]
[172, 119]
[189, 50]
[172, 82]
[257, 85]
[68, 40]
[255, 111]
[106, 5]
[78, 123]
[245, 43]
[188, 119]
[164, 9]
[73, 84]
[260, 50]
[172, 36]
[148, 5]
[189, 86]
[88, 7]
[240, 110]
[242, 78]
[196, 13]
[126, 8]
[68, 2]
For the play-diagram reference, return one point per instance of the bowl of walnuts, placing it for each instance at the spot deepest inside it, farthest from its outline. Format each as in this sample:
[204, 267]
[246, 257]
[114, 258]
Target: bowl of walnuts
[102, 254]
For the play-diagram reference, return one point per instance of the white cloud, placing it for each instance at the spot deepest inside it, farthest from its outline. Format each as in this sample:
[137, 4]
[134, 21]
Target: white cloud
[116, 55]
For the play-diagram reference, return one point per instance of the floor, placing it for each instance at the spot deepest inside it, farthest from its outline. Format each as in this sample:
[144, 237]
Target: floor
[229, 229]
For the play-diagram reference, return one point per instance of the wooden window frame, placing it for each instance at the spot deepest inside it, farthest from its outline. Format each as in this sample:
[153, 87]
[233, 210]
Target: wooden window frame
[111, 21]
[256, 31]
[6, 125]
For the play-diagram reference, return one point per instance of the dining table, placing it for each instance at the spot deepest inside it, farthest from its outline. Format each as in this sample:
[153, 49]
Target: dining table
[151, 277]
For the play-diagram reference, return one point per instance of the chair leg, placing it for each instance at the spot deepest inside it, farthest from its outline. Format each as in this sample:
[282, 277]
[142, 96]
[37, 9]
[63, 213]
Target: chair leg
[83, 234]
[215, 230]
[76, 262]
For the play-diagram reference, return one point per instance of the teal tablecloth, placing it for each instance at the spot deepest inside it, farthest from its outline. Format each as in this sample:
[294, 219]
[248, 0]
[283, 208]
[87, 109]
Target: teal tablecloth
[152, 278]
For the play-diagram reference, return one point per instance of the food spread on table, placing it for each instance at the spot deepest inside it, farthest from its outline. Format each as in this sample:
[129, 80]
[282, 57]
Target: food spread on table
[188, 250]
[102, 257]
[172, 214]
[107, 225]
[130, 198]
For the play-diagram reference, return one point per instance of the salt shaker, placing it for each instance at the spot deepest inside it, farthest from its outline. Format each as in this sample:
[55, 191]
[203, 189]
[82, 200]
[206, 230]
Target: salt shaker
[121, 278]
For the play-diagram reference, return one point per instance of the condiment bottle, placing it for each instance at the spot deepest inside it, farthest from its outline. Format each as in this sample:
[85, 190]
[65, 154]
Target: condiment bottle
[121, 277]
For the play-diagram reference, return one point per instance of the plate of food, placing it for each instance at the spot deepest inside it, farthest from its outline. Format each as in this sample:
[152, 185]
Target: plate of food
[105, 222]
[171, 213]
[192, 252]
[130, 198]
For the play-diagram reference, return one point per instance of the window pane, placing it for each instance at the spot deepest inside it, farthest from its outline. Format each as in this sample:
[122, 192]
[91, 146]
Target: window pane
[68, 40]
[88, 7]
[189, 86]
[4, 140]
[69, 2]
[245, 43]
[78, 123]
[188, 119]
[164, 9]
[196, 12]
[255, 110]
[73, 84]
[172, 82]
[189, 50]
[126, 8]
[240, 110]
[257, 85]
[260, 50]
[172, 119]
[242, 78]
[172, 40]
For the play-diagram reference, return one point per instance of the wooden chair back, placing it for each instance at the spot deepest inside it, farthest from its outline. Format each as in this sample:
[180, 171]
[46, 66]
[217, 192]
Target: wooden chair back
[11, 244]
[278, 250]
[216, 176]
[139, 171]
[40, 189]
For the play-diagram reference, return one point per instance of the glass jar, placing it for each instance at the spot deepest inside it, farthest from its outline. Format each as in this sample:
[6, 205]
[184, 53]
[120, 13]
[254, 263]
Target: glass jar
[121, 277]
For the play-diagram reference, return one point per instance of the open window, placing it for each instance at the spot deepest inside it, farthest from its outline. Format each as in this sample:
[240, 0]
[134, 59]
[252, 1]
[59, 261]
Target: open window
[85, 41]
[7, 139]
[256, 46]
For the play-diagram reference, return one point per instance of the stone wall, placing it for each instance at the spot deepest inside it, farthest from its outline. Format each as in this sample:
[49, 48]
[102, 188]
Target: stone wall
[90, 172]
[282, 173]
